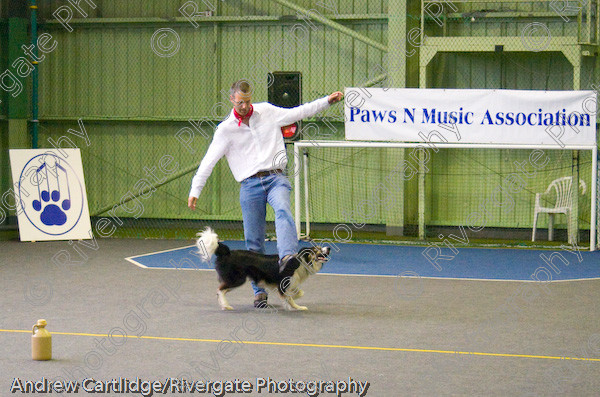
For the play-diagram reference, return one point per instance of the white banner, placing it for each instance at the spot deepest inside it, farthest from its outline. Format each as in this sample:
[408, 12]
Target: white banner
[559, 118]
[50, 195]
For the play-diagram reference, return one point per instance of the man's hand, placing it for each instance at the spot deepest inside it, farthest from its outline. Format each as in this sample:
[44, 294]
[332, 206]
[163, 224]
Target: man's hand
[335, 97]
[192, 202]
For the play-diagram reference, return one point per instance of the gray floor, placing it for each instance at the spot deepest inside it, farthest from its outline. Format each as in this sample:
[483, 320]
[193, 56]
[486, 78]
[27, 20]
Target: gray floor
[422, 319]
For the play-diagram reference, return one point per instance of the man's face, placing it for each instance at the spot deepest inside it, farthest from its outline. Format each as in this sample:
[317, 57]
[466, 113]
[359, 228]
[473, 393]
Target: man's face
[241, 102]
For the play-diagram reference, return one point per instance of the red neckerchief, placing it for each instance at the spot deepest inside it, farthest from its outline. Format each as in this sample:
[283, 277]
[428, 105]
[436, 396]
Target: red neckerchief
[237, 115]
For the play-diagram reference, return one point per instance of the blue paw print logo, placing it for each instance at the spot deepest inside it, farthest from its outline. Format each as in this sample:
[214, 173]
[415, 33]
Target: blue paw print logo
[54, 192]
[52, 214]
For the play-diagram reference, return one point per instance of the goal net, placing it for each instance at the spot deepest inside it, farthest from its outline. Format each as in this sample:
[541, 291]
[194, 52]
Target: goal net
[378, 191]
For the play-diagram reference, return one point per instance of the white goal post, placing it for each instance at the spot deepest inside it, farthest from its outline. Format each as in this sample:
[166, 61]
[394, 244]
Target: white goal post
[301, 167]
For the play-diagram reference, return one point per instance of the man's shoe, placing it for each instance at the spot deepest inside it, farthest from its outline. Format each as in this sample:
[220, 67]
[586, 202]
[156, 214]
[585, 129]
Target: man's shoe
[260, 301]
[284, 262]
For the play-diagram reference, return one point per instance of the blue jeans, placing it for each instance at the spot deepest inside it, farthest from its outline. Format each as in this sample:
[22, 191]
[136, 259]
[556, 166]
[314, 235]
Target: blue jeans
[255, 193]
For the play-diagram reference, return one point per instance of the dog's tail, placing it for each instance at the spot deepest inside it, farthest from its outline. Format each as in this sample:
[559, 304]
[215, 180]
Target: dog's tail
[207, 243]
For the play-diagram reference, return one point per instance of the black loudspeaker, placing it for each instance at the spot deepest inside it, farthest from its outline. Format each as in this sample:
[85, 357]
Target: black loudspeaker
[286, 92]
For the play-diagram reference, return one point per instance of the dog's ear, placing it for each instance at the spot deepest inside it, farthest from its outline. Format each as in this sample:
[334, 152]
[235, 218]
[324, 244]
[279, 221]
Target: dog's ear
[306, 257]
[304, 254]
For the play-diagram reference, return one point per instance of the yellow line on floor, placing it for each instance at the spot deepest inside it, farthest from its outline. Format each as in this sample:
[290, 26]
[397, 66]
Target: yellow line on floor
[375, 348]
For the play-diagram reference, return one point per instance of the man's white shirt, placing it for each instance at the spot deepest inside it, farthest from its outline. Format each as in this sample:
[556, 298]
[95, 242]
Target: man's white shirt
[254, 148]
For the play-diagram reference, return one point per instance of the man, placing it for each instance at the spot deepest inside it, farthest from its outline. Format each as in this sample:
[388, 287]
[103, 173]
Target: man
[251, 140]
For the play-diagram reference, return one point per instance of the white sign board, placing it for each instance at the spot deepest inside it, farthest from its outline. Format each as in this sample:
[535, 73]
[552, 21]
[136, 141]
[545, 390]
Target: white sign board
[50, 195]
[559, 118]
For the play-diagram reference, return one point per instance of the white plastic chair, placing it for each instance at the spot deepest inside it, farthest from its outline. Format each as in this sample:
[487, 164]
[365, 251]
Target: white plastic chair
[562, 205]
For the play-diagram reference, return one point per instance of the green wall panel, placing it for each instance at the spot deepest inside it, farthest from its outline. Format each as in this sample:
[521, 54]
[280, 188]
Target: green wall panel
[113, 72]
[518, 70]
[163, 8]
[3, 62]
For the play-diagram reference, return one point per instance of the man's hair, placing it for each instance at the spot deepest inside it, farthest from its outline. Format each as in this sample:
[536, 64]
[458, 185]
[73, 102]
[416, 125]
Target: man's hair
[241, 86]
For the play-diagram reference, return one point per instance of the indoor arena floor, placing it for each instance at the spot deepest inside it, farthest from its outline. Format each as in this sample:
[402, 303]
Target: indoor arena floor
[404, 333]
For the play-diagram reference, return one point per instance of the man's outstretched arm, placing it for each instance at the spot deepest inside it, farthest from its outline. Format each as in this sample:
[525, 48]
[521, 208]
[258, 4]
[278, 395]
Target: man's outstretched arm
[287, 116]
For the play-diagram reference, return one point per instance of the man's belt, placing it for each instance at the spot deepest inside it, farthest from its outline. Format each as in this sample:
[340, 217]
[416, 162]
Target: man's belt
[262, 174]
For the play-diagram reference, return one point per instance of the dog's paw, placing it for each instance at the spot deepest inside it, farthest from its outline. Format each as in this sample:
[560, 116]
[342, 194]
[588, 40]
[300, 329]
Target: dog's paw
[294, 307]
[226, 307]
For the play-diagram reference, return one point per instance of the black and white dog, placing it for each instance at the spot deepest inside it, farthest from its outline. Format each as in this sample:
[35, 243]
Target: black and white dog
[234, 267]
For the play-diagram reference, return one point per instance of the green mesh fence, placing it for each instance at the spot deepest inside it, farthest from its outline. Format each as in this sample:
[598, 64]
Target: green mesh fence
[488, 193]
